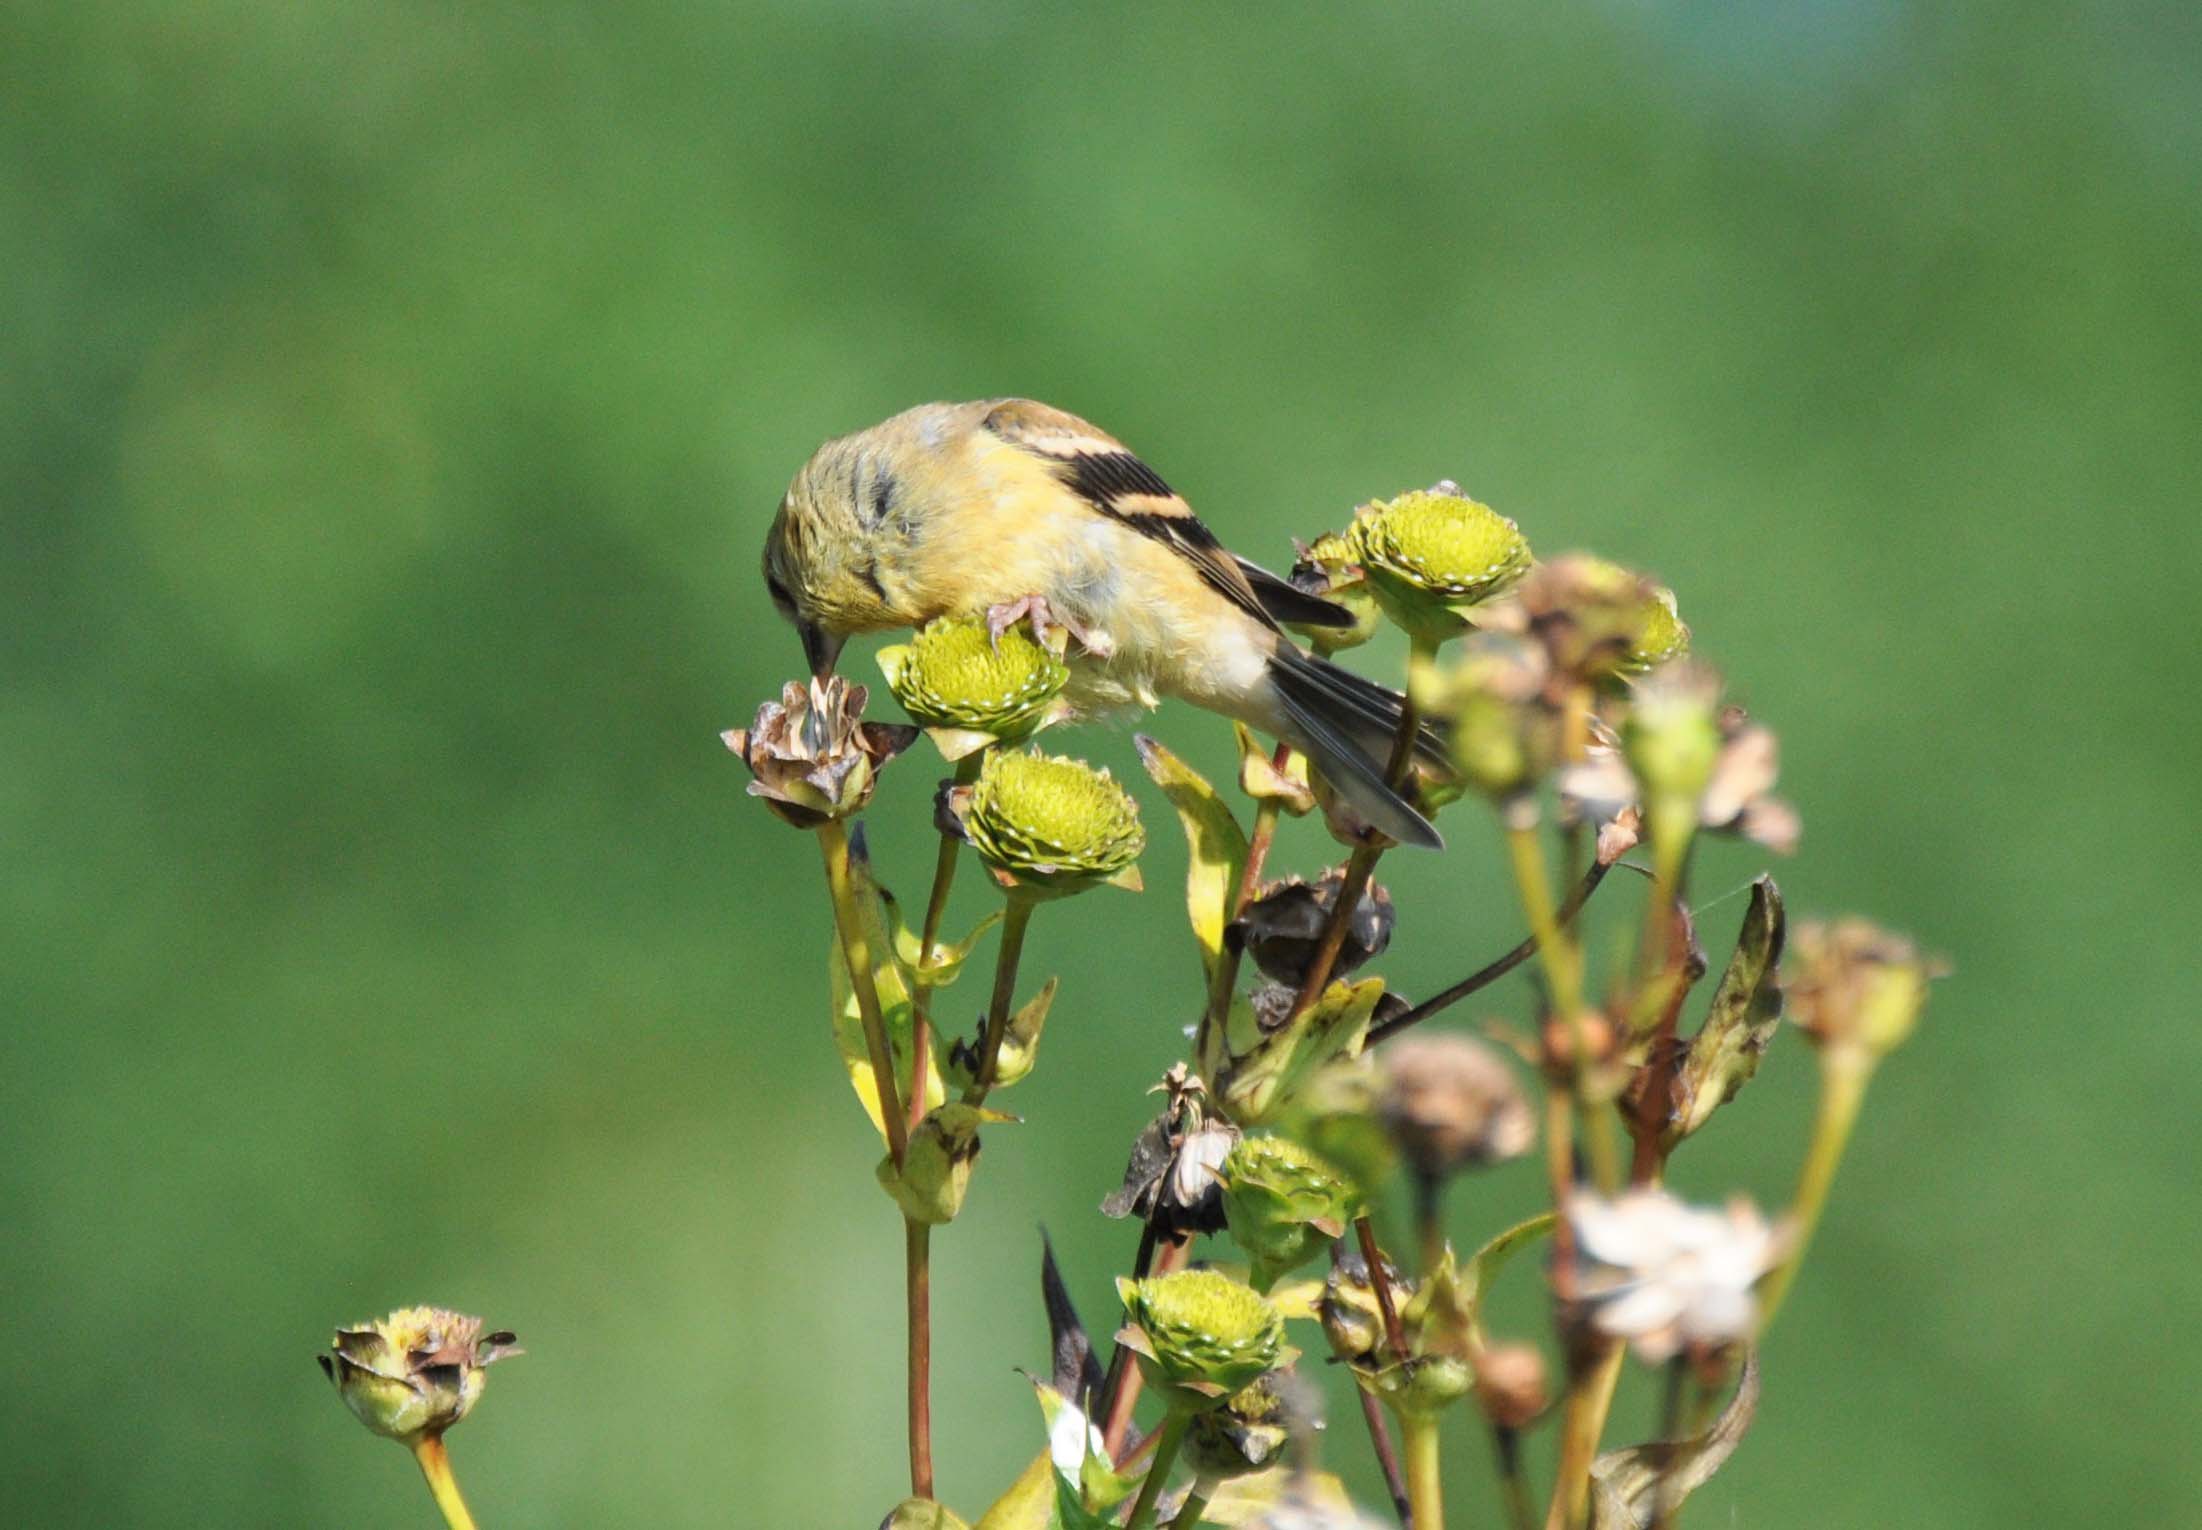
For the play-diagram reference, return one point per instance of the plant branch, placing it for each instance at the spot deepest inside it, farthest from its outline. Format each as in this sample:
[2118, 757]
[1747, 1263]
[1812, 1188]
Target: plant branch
[1425, 1483]
[1583, 1420]
[1484, 976]
[1158, 1470]
[921, 984]
[1843, 1078]
[917, 1242]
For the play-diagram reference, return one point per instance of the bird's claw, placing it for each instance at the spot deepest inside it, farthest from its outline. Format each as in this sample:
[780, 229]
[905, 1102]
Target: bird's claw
[1044, 620]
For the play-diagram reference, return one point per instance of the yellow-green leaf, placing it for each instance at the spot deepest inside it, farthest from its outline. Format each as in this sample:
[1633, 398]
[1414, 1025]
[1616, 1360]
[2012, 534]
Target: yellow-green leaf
[1214, 838]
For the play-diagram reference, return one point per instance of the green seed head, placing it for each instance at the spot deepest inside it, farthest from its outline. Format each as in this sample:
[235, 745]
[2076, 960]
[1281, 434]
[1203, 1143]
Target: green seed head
[1432, 553]
[1051, 824]
[1671, 736]
[1855, 985]
[1284, 1204]
[1244, 1435]
[414, 1373]
[1200, 1336]
[955, 675]
[1597, 619]
[1504, 737]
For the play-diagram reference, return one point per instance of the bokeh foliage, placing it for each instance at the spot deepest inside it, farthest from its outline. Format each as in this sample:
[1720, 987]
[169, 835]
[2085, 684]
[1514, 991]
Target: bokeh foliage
[392, 400]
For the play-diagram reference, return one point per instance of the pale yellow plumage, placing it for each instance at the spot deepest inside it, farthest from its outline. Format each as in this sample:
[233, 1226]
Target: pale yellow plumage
[968, 509]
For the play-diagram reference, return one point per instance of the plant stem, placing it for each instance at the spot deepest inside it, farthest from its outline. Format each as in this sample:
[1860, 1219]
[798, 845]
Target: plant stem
[1394, 1335]
[1425, 1484]
[1014, 920]
[1158, 1470]
[1589, 1396]
[1429, 1216]
[1187, 1516]
[1491, 972]
[1670, 1432]
[921, 985]
[833, 840]
[1387, 1458]
[435, 1465]
[917, 1243]
[1843, 1077]
[1513, 1481]
[1563, 965]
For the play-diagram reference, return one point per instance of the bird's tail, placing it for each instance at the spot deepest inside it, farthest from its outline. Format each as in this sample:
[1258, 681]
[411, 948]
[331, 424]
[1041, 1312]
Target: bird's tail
[1346, 726]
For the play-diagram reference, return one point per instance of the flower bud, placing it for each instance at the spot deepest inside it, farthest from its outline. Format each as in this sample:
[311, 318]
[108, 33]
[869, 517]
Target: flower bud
[1451, 1103]
[1283, 1204]
[414, 1373]
[1331, 568]
[1048, 825]
[1352, 1318]
[969, 688]
[1510, 1384]
[936, 1166]
[1432, 554]
[1856, 985]
[1199, 1335]
[1244, 1435]
[1671, 735]
[1283, 926]
[1504, 736]
[812, 757]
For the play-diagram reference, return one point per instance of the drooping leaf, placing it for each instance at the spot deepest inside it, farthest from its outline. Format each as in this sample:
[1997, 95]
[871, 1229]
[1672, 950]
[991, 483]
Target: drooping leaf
[1264, 1080]
[1260, 778]
[1029, 1504]
[1214, 838]
[1626, 1485]
[1745, 1012]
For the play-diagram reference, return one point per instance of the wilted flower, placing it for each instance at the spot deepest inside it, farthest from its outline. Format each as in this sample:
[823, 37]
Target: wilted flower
[1853, 983]
[1352, 1318]
[968, 688]
[1244, 1435]
[1671, 739]
[1048, 825]
[1737, 797]
[812, 756]
[1594, 618]
[1510, 1384]
[1282, 926]
[1170, 1180]
[414, 1373]
[1199, 1335]
[1664, 1274]
[1451, 1103]
[1432, 554]
[1331, 568]
[1283, 1203]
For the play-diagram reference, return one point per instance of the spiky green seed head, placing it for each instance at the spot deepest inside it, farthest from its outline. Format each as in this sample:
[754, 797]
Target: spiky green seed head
[1200, 1336]
[1432, 554]
[1283, 1203]
[1049, 824]
[956, 678]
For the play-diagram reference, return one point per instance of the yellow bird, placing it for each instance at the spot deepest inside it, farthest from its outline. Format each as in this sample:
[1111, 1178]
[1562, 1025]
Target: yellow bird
[1006, 508]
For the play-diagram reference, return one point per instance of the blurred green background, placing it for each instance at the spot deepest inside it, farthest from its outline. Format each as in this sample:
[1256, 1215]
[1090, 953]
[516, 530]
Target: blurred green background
[393, 399]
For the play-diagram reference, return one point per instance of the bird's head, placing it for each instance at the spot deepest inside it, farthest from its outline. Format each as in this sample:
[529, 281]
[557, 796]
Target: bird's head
[828, 545]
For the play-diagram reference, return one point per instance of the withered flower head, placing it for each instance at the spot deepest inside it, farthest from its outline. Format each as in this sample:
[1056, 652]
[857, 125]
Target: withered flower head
[1433, 554]
[414, 1373]
[1738, 797]
[1331, 568]
[1170, 1180]
[1200, 1335]
[1450, 1102]
[813, 757]
[1283, 925]
[1851, 983]
[969, 687]
[1246, 1434]
[1663, 1274]
[1049, 825]
[1594, 618]
[1510, 1384]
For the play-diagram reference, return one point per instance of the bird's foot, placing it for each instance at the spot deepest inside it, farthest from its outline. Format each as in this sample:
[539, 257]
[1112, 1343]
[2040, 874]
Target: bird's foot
[1044, 620]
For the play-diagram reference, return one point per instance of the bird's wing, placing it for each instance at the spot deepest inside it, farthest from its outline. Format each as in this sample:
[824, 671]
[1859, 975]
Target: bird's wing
[1102, 471]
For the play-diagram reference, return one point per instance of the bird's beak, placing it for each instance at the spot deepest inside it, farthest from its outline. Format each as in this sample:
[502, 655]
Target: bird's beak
[821, 647]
